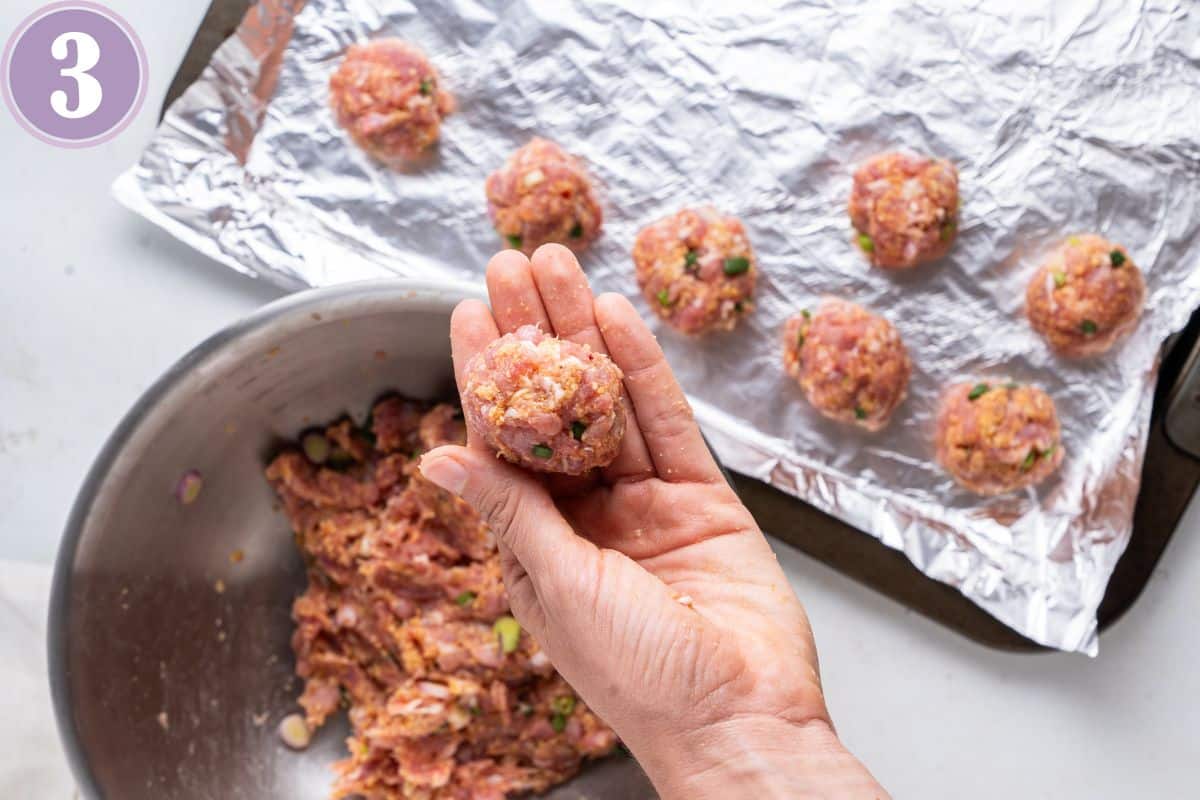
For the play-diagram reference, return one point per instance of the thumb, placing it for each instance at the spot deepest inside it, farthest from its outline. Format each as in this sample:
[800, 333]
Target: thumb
[514, 504]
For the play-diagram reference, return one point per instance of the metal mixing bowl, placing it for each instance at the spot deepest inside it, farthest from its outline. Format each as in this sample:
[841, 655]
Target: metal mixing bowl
[169, 627]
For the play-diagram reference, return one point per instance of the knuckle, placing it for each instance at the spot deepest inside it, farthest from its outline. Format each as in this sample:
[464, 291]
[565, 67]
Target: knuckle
[672, 417]
[499, 505]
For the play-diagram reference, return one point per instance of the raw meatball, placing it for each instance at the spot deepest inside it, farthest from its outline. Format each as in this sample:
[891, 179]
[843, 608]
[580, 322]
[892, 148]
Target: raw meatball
[541, 195]
[997, 438]
[389, 98]
[1087, 295]
[905, 209]
[697, 270]
[545, 403]
[851, 363]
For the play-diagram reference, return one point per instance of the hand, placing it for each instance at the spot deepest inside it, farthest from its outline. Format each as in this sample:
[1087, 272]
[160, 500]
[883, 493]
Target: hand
[650, 586]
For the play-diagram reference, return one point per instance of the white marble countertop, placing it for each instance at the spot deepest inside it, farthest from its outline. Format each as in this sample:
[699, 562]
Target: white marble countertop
[95, 303]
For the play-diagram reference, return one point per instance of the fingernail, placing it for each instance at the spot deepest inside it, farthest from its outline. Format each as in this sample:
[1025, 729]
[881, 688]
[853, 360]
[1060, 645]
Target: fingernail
[445, 472]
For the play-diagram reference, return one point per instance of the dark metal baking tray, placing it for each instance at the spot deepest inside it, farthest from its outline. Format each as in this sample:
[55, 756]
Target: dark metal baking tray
[1169, 476]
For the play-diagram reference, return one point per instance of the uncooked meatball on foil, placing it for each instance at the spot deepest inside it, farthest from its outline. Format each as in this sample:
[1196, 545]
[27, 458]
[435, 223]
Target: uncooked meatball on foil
[543, 194]
[905, 209]
[851, 364]
[389, 99]
[996, 438]
[1087, 295]
[545, 403]
[697, 270]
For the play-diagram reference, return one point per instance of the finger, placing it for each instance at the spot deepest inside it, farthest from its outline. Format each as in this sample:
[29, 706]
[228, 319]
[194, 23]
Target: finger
[566, 296]
[517, 509]
[472, 328]
[569, 304]
[514, 296]
[522, 597]
[676, 447]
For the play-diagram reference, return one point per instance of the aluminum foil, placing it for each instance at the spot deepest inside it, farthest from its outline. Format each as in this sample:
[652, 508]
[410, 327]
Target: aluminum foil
[1063, 118]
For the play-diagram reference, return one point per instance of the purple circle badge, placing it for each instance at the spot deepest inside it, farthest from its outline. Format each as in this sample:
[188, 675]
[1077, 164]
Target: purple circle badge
[74, 74]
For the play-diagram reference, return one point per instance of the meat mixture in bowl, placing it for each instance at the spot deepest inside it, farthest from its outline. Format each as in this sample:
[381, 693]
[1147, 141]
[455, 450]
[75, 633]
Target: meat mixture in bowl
[405, 623]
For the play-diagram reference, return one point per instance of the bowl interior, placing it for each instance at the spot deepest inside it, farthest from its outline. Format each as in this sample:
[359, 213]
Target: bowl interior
[169, 638]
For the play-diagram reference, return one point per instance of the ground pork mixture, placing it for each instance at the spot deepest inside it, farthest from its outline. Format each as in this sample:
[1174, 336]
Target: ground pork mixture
[851, 363]
[1087, 295]
[405, 623]
[904, 208]
[998, 437]
[389, 98]
[543, 194]
[548, 404]
[697, 270]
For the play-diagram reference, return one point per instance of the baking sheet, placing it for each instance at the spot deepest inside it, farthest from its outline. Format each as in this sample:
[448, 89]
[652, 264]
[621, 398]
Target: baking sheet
[1078, 117]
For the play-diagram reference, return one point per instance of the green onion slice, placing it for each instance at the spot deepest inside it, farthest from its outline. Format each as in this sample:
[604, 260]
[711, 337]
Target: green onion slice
[737, 265]
[316, 447]
[542, 451]
[978, 391]
[563, 705]
[508, 632]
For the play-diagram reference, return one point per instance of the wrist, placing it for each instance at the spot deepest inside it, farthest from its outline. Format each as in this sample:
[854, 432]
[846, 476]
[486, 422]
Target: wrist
[759, 757]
